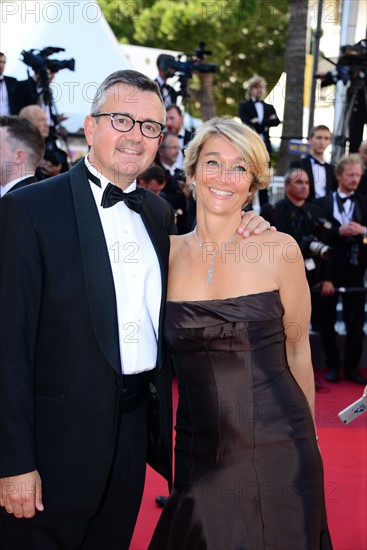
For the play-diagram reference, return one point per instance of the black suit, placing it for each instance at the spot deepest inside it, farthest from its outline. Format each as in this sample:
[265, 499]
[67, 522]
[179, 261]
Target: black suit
[27, 93]
[306, 165]
[60, 371]
[346, 269]
[23, 183]
[168, 93]
[188, 135]
[247, 112]
[11, 87]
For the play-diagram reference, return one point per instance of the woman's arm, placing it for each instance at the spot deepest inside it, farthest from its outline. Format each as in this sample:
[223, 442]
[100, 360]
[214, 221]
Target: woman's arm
[295, 296]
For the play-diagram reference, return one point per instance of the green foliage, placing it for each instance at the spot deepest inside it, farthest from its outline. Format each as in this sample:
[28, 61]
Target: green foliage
[246, 37]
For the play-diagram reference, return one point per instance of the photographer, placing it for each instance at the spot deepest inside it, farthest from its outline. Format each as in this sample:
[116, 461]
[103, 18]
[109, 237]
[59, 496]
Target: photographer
[351, 69]
[346, 210]
[164, 62]
[36, 90]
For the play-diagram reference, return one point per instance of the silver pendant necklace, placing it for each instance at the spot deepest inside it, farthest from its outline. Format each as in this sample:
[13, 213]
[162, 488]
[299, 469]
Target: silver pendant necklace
[210, 274]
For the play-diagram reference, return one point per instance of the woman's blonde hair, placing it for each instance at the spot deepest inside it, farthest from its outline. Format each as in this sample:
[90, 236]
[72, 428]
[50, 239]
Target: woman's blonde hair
[247, 142]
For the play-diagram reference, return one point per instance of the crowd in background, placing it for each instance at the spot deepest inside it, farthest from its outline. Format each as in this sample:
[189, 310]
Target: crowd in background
[324, 206]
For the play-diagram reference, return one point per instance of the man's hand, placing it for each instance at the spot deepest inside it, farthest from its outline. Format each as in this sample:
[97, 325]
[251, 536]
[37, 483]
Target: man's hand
[22, 495]
[253, 224]
[327, 288]
[351, 229]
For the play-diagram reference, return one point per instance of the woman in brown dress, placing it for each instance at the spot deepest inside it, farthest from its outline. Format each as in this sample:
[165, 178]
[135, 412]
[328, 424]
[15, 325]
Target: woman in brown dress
[248, 472]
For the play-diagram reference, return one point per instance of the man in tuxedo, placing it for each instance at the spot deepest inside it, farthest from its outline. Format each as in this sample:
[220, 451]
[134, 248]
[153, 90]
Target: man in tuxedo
[21, 150]
[8, 86]
[346, 210]
[256, 113]
[82, 342]
[175, 124]
[84, 382]
[320, 173]
[260, 116]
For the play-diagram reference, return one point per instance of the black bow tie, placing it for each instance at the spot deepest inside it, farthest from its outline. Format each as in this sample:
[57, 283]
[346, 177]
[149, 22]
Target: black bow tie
[317, 161]
[348, 198]
[112, 195]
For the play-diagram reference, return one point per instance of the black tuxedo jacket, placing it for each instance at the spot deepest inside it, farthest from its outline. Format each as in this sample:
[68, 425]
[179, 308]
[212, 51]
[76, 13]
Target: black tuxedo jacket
[340, 270]
[305, 164]
[247, 111]
[280, 215]
[11, 86]
[188, 135]
[26, 94]
[23, 183]
[60, 376]
[172, 95]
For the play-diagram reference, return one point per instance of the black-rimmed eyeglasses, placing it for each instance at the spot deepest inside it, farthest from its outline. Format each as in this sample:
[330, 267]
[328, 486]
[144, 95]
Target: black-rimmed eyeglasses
[124, 123]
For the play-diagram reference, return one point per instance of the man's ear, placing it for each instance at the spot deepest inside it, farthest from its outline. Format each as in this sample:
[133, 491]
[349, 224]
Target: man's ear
[20, 156]
[89, 126]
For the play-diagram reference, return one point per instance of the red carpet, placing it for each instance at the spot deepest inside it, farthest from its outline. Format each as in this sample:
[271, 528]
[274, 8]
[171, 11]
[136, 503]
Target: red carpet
[344, 451]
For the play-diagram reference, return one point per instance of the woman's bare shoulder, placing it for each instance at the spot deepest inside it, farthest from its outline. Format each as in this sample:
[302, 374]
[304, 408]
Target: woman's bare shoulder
[276, 237]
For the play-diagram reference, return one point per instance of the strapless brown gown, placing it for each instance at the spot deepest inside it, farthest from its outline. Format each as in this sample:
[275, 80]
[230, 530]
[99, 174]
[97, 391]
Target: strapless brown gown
[248, 472]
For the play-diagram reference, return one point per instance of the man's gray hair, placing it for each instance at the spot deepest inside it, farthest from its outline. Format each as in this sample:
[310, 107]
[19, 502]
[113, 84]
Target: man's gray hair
[128, 77]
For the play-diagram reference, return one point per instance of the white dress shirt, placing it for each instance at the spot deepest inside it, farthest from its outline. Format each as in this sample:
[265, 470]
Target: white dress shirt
[346, 215]
[319, 178]
[259, 106]
[137, 280]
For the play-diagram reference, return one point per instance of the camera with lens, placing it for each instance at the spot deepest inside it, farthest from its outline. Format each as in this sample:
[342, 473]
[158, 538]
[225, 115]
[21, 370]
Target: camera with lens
[350, 66]
[39, 61]
[185, 69]
[314, 245]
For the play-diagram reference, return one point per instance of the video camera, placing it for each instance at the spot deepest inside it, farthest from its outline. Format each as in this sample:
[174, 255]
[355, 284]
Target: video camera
[39, 60]
[313, 244]
[351, 66]
[185, 69]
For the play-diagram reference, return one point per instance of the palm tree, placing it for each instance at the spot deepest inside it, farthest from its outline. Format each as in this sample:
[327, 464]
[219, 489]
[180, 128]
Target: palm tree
[295, 59]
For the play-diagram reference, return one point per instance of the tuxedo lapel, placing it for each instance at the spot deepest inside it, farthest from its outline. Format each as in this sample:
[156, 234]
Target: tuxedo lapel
[252, 109]
[97, 267]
